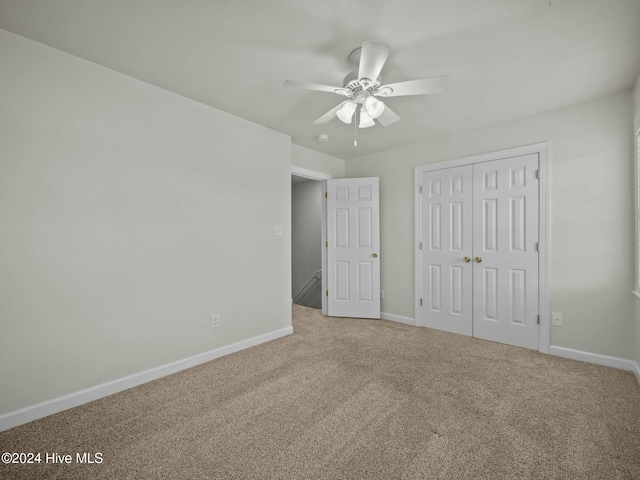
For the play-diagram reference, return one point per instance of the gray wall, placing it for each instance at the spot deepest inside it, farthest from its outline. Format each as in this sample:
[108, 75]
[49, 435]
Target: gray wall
[306, 238]
[591, 209]
[129, 215]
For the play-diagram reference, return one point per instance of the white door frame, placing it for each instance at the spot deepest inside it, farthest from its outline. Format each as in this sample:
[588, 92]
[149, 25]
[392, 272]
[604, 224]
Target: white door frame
[542, 149]
[323, 177]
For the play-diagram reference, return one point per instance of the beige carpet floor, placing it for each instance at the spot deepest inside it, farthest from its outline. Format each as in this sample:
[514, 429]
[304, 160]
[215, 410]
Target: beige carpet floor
[355, 399]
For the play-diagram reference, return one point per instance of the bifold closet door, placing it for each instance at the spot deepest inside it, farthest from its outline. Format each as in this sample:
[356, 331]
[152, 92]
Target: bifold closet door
[505, 237]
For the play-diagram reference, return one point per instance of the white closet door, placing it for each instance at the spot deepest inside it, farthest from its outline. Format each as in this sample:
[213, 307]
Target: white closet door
[505, 236]
[446, 241]
[353, 235]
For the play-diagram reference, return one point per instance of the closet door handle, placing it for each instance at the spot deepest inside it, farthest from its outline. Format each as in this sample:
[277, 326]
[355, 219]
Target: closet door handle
[467, 259]
[478, 259]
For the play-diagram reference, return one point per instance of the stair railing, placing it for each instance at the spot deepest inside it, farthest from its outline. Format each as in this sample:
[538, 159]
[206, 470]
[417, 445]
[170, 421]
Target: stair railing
[306, 288]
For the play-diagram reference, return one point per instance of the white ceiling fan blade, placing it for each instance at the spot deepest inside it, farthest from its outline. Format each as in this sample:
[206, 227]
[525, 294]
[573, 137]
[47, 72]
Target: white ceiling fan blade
[313, 86]
[414, 87]
[372, 58]
[327, 117]
[388, 117]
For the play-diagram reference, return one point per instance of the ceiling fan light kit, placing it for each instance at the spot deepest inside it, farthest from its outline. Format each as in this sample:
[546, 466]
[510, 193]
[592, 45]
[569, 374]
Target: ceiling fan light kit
[365, 120]
[373, 106]
[346, 112]
[363, 85]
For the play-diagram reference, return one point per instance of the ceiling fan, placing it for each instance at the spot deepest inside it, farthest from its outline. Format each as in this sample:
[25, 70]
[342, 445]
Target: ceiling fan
[364, 85]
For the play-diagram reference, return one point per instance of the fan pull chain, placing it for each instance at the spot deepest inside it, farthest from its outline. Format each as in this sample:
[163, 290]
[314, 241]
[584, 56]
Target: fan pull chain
[355, 129]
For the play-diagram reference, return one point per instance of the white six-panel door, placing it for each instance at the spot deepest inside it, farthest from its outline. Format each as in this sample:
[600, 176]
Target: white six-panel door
[505, 234]
[479, 250]
[447, 249]
[353, 248]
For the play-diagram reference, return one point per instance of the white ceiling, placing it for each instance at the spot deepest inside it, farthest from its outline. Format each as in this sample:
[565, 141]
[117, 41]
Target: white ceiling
[505, 58]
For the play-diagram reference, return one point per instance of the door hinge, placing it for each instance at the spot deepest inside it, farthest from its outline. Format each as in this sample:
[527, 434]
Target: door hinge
[420, 302]
[420, 245]
[420, 188]
[327, 293]
[537, 247]
[537, 173]
[538, 319]
[326, 244]
[326, 195]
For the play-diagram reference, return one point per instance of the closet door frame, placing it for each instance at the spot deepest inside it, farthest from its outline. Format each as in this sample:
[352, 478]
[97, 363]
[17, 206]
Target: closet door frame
[542, 149]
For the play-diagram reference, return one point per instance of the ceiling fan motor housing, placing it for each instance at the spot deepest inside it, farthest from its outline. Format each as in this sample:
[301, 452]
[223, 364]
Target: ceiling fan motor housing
[353, 84]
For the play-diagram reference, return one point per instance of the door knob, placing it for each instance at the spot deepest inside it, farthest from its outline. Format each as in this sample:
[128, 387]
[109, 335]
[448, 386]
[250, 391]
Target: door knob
[375, 255]
[478, 259]
[467, 259]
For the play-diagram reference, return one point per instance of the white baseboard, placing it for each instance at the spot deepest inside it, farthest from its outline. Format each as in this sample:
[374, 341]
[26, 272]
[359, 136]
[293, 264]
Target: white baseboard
[596, 358]
[34, 412]
[398, 318]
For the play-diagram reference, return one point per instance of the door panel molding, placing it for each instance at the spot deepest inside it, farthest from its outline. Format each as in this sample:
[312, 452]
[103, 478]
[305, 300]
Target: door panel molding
[516, 178]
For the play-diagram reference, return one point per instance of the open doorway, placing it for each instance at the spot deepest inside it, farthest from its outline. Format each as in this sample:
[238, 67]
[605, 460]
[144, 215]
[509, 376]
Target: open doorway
[307, 237]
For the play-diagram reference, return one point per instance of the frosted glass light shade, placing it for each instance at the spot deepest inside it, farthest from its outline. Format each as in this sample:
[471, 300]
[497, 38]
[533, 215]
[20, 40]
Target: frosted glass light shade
[365, 120]
[346, 112]
[374, 107]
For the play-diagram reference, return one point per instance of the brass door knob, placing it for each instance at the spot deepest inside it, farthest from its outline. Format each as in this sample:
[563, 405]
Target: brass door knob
[467, 259]
[478, 259]
[375, 255]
